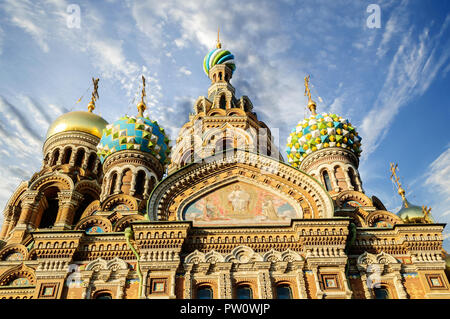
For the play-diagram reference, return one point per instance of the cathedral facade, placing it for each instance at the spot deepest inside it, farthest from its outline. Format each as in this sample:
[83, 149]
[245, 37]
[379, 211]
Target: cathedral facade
[117, 213]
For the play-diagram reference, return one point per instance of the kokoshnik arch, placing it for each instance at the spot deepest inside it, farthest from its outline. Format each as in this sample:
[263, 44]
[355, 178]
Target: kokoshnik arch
[115, 212]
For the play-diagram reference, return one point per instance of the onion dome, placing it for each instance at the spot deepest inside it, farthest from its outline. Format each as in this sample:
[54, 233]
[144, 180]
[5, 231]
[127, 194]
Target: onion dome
[135, 133]
[87, 122]
[410, 213]
[81, 121]
[321, 131]
[218, 56]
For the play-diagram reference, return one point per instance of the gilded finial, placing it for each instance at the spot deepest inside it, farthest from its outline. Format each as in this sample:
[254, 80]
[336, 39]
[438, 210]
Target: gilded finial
[219, 45]
[141, 105]
[91, 105]
[396, 180]
[311, 103]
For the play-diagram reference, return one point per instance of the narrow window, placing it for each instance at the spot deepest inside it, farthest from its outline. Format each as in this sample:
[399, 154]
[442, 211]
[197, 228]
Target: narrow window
[351, 173]
[67, 154]
[103, 295]
[223, 102]
[140, 181]
[244, 292]
[55, 157]
[204, 292]
[381, 293]
[79, 157]
[326, 179]
[113, 183]
[91, 162]
[284, 292]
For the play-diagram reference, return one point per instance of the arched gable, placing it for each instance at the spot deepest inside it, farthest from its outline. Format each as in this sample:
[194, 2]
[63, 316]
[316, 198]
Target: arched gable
[61, 181]
[20, 275]
[171, 196]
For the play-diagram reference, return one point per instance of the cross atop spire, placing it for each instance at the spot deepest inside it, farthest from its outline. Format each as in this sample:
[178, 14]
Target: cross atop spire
[219, 45]
[141, 105]
[396, 180]
[91, 105]
[311, 103]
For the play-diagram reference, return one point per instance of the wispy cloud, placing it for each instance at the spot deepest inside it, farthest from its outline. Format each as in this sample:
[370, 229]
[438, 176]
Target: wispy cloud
[413, 68]
[438, 180]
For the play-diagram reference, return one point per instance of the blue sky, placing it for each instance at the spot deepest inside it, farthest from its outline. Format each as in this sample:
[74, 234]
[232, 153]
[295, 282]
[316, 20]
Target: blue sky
[392, 82]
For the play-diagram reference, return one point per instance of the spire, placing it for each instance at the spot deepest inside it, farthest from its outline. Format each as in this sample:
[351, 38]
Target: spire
[396, 180]
[91, 105]
[219, 45]
[311, 103]
[141, 105]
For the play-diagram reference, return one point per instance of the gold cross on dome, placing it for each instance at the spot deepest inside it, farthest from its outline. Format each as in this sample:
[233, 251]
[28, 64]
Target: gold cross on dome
[394, 169]
[141, 106]
[91, 105]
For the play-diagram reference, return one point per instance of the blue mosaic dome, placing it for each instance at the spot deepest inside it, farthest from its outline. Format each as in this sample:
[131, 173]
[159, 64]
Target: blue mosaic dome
[134, 133]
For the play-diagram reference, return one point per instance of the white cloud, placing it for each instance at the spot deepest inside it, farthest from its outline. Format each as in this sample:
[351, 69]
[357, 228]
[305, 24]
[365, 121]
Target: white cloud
[413, 68]
[185, 71]
[438, 180]
[24, 14]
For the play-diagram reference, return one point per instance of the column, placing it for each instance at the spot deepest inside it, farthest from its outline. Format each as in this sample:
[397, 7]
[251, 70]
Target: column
[118, 183]
[320, 293]
[301, 283]
[367, 292]
[133, 183]
[68, 200]
[5, 228]
[146, 187]
[399, 286]
[188, 283]
[84, 163]
[348, 291]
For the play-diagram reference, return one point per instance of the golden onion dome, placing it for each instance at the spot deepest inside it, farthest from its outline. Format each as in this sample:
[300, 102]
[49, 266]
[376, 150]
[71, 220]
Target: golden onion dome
[413, 214]
[82, 121]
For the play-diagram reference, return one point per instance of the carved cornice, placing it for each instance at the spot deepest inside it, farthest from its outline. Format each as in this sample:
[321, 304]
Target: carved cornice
[134, 157]
[71, 137]
[330, 154]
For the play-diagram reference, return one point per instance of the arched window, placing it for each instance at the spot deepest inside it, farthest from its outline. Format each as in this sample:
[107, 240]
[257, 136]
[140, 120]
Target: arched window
[223, 102]
[79, 157]
[326, 179]
[87, 199]
[204, 292]
[220, 76]
[140, 181]
[244, 292]
[55, 157]
[381, 293]
[91, 161]
[103, 295]
[48, 217]
[352, 176]
[67, 154]
[112, 185]
[284, 291]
